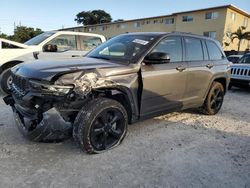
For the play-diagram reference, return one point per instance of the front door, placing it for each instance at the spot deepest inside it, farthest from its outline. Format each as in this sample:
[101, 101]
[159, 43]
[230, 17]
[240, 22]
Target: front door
[66, 48]
[164, 84]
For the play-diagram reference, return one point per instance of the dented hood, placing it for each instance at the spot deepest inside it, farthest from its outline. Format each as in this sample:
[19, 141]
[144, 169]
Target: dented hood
[13, 43]
[46, 70]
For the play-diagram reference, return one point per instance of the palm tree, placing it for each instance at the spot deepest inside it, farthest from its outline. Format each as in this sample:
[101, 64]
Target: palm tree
[240, 35]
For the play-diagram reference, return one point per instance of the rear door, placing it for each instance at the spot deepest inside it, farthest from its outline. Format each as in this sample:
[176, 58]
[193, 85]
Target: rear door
[200, 69]
[164, 84]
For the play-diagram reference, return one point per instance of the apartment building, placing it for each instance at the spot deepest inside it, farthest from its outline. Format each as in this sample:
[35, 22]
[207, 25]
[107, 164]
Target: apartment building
[213, 22]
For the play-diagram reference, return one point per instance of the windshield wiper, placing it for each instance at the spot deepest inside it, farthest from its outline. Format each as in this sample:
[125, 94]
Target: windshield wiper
[99, 57]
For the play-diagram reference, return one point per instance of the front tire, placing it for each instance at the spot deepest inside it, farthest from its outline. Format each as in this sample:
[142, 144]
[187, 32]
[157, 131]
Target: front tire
[101, 125]
[214, 99]
[5, 81]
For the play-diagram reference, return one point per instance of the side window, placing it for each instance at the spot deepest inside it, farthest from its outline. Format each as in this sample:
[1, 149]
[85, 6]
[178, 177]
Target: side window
[214, 51]
[64, 42]
[88, 43]
[172, 46]
[193, 49]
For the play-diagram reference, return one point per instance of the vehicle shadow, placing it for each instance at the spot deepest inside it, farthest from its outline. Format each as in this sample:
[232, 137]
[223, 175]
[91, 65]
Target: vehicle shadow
[240, 90]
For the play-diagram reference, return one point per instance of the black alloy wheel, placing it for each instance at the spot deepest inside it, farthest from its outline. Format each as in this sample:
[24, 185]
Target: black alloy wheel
[107, 129]
[100, 125]
[214, 99]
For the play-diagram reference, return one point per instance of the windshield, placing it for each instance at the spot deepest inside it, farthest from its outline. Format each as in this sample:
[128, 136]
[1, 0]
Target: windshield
[245, 59]
[39, 38]
[124, 48]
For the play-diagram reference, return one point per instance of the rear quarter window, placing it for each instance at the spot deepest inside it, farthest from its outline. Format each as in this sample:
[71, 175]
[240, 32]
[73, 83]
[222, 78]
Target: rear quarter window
[214, 51]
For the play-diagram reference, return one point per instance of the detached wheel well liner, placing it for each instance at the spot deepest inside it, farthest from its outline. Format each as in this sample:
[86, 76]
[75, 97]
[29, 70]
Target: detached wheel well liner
[124, 97]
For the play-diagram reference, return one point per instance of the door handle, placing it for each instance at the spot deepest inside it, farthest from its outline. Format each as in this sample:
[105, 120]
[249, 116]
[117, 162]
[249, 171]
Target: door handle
[209, 66]
[75, 55]
[180, 68]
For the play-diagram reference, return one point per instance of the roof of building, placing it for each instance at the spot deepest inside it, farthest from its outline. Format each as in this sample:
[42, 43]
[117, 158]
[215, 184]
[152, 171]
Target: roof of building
[169, 15]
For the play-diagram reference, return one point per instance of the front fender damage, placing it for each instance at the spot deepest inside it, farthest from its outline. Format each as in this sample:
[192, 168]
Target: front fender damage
[91, 81]
[86, 83]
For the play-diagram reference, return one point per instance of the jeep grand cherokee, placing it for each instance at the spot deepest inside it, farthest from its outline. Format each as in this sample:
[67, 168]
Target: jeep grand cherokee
[129, 78]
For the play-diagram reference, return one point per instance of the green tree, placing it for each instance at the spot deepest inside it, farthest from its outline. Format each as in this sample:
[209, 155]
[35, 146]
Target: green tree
[240, 35]
[23, 33]
[4, 36]
[119, 20]
[93, 17]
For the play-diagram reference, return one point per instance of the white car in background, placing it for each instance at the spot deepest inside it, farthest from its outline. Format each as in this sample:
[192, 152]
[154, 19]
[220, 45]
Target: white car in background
[48, 45]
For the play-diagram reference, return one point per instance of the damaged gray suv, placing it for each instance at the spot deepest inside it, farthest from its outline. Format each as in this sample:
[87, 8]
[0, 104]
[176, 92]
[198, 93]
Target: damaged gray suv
[129, 78]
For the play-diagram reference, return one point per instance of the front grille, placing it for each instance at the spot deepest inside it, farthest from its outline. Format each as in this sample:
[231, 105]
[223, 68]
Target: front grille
[240, 72]
[19, 85]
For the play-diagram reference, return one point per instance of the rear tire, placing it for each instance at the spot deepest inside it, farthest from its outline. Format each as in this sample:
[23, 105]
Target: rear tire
[100, 125]
[5, 80]
[214, 99]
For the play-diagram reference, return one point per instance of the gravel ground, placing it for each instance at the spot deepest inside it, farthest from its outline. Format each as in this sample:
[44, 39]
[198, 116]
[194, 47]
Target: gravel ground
[176, 150]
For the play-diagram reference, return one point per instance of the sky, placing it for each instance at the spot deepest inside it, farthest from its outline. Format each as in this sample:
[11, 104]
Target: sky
[56, 14]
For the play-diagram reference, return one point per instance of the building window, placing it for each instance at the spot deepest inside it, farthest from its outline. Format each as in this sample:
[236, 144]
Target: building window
[211, 15]
[187, 18]
[233, 16]
[156, 21]
[124, 26]
[148, 22]
[211, 34]
[245, 22]
[137, 24]
[103, 28]
[169, 21]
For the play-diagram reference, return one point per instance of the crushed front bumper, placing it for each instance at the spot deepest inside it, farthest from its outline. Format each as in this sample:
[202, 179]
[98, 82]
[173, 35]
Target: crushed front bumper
[52, 127]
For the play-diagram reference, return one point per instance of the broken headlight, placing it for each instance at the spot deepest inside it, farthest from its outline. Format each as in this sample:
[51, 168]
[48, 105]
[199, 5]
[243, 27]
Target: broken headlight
[56, 89]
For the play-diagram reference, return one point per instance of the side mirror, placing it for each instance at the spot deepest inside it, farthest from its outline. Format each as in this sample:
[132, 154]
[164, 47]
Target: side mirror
[50, 48]
[157, 58]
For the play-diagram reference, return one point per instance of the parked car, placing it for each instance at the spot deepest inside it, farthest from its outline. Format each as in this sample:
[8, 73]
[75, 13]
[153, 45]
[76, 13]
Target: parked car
[129, 78]
[234, 58]
[53, 44]
[240, 73]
